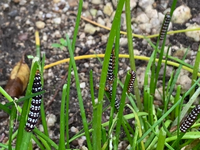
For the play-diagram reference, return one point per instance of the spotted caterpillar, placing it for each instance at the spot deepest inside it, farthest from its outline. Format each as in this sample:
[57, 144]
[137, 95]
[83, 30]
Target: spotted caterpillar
[110, 78]
[165, 26]
[35, 104]
[131, 82]
[189, 121]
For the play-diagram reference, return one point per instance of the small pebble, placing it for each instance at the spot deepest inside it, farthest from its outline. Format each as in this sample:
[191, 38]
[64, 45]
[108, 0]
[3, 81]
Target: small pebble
[151, 13]
[81, 140]
[145, 3]
[5, 7]
[40, 24]
[56, 1]
[133, 3]
[96, 1]
[194, 34]
[100, 21]
[45, 37]
[158, 93]
[82, 85]
[57, 20]
[123, 41]
[84, 148]
[185, 83]
[74, 130]
[51, 119]
[57, 34]
[93, 12]
[86, 65]
[142, 18]
[13, 13]
[90, 29]
[108, 9]
[22, 2]
[181, 14]
[23, 37]
[146, 27]
[140, 73]
[48, 15]
[16, 1]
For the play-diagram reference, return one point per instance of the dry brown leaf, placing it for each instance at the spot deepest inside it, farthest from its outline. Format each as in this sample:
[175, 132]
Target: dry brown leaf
[18, 79]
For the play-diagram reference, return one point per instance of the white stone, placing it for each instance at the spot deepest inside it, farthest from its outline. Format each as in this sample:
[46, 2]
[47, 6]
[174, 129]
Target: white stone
[57, 20]
[48, 15]
[194, 34]
[104, 38]
[100, 13]
[123, 41]
[146, 27]
[96, 1]
[121, 72]
[40, 24]
[51, 119]
[45, 37]
[100, 21]
[142, 18]
[185, 83]
[151, 13]
[74, 130]
[140, 73]
[136, 52]
[57, 34]
[93, 12]
[159, 93]
[82, 85]
[96, 101]
[108, 9]
[133, 3]
[82, 35]
[56, 1]
[155, 22]
[22, 2]
[181, 14]
[115, 2]
[86, 65]
[5, 6]
[41, 128]
[161, 17]
[66, 8]
[81, 140]
[84, 148]
[85, 5]
[90, 29]
[145, 3]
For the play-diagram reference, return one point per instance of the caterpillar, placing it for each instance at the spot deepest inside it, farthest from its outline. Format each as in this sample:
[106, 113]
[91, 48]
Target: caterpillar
[110, 78]
[117, 101]
[189, 121]
[131, 82]
[110, 74]
[164, 26]
[111, 67]
[35, 104]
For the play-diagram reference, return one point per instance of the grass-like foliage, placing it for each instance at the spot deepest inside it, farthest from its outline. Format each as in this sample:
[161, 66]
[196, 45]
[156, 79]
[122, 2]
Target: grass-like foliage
[153, 128]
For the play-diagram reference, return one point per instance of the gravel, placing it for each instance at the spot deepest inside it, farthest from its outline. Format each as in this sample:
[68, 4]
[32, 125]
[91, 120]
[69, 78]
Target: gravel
[20, 18]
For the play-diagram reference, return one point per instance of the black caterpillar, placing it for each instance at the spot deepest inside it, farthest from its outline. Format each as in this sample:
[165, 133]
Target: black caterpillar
[35, 104]
[191, 118]
[110, 75]
[165, 26]
[110, 78]
[111, 67]
[117, 101]
[131, 82]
